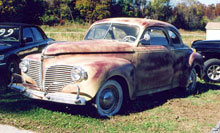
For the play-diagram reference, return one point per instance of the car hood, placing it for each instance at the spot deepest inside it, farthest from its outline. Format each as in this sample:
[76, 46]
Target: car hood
[88, 46]
[206, 44]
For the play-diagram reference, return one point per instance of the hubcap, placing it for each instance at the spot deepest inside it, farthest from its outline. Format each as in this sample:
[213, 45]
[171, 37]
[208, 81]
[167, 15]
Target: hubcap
[11, 68]
[191, 82]
[108, 99]
[213, 72]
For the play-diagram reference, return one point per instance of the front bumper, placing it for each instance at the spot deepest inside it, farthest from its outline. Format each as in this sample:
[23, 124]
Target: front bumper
[59, 97]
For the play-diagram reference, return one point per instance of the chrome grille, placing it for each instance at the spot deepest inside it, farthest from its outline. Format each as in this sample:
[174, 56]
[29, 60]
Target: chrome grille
[57, 77]
[34, 71]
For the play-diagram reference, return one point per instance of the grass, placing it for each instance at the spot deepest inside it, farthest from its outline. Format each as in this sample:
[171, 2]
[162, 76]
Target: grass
[70, 32]
[76, 32]
[190, 36]
[169, 111]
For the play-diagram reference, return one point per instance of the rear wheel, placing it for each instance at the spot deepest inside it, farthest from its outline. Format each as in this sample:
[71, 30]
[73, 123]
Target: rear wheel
[212, 70]
[109, 98]
[191, 83]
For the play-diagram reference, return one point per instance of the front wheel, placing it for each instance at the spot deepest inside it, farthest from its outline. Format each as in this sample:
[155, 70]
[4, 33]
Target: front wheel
[191, 83]
[12, 67]
[109, 98]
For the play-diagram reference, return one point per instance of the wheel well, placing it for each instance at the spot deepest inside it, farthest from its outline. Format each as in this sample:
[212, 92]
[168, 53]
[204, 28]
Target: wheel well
[13, 57]
[198, 70]
[123, 84]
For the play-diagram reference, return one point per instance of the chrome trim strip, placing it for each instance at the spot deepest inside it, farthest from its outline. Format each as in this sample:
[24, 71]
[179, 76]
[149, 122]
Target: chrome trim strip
[2, 64]
[43, 76]
[180, 49]
[41, 71]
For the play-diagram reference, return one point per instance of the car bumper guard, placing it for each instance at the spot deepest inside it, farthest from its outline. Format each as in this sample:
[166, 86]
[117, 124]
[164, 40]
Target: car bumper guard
[25, 89]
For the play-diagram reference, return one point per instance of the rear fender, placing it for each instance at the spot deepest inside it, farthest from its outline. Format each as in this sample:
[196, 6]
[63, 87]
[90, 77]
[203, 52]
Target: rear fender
[196, 61]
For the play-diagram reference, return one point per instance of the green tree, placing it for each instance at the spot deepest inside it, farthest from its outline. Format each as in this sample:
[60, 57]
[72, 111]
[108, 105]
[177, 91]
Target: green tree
[159, 9]
[58, 12]
[25, 10]
[127, 7]
[190, 16]
[91, 10]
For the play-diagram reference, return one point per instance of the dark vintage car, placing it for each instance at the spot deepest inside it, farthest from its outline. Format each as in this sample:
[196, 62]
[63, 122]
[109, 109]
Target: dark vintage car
[16, 41]
[210, 50]
[118, 59]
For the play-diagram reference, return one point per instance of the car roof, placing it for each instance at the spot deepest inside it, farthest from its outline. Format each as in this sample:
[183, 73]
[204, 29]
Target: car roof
[16, 24]
[142, 22]
[137, 21]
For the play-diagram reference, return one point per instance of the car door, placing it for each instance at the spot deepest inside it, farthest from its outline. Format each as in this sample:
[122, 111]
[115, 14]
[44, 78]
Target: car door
[41, 41]
[154, 61]
[30, 46]
[181, 55]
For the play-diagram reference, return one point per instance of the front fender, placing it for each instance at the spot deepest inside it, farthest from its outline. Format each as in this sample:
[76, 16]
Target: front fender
[99, 71]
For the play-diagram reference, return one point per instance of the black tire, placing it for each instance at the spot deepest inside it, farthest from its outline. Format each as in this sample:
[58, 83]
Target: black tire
[212, 70]
[191, 83]
[12, 67]
[109, 98]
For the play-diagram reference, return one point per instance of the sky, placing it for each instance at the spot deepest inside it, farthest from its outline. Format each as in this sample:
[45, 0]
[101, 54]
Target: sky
[207, 2]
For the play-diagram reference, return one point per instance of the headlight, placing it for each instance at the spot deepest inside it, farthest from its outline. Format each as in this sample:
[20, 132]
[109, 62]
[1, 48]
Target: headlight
[2, 57]
[24, 66]
[78, 74]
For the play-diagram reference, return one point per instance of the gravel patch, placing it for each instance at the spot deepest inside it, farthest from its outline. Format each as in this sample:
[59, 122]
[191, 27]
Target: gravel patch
[11, 129]
[216, 129]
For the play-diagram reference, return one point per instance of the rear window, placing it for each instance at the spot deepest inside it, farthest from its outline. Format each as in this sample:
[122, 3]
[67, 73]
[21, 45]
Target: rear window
[9, 33]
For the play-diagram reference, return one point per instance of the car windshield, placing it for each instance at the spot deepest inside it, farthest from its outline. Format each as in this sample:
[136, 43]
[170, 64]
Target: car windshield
[109, 31]
[9, 33]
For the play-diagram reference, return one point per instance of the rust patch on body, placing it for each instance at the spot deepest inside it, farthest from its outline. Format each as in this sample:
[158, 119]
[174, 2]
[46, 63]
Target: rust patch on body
[91, 46]
[99, 66]
[36, 57]
[195, 56]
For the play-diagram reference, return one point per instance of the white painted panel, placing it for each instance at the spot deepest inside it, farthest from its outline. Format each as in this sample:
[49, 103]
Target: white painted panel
[212, 34]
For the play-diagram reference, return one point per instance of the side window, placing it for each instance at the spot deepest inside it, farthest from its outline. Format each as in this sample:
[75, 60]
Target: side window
[154, 36]
[157, 37]
[175, 39]
[27, 33]
[37, 34]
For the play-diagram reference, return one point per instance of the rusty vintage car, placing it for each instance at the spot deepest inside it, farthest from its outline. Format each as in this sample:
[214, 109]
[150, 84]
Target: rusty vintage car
[118, 59]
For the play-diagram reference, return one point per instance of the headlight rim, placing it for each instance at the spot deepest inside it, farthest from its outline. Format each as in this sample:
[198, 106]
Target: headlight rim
[82, 74]
[24, 64]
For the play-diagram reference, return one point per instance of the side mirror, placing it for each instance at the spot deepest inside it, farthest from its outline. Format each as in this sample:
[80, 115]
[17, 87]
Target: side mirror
[145, 40]
[28, 39]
